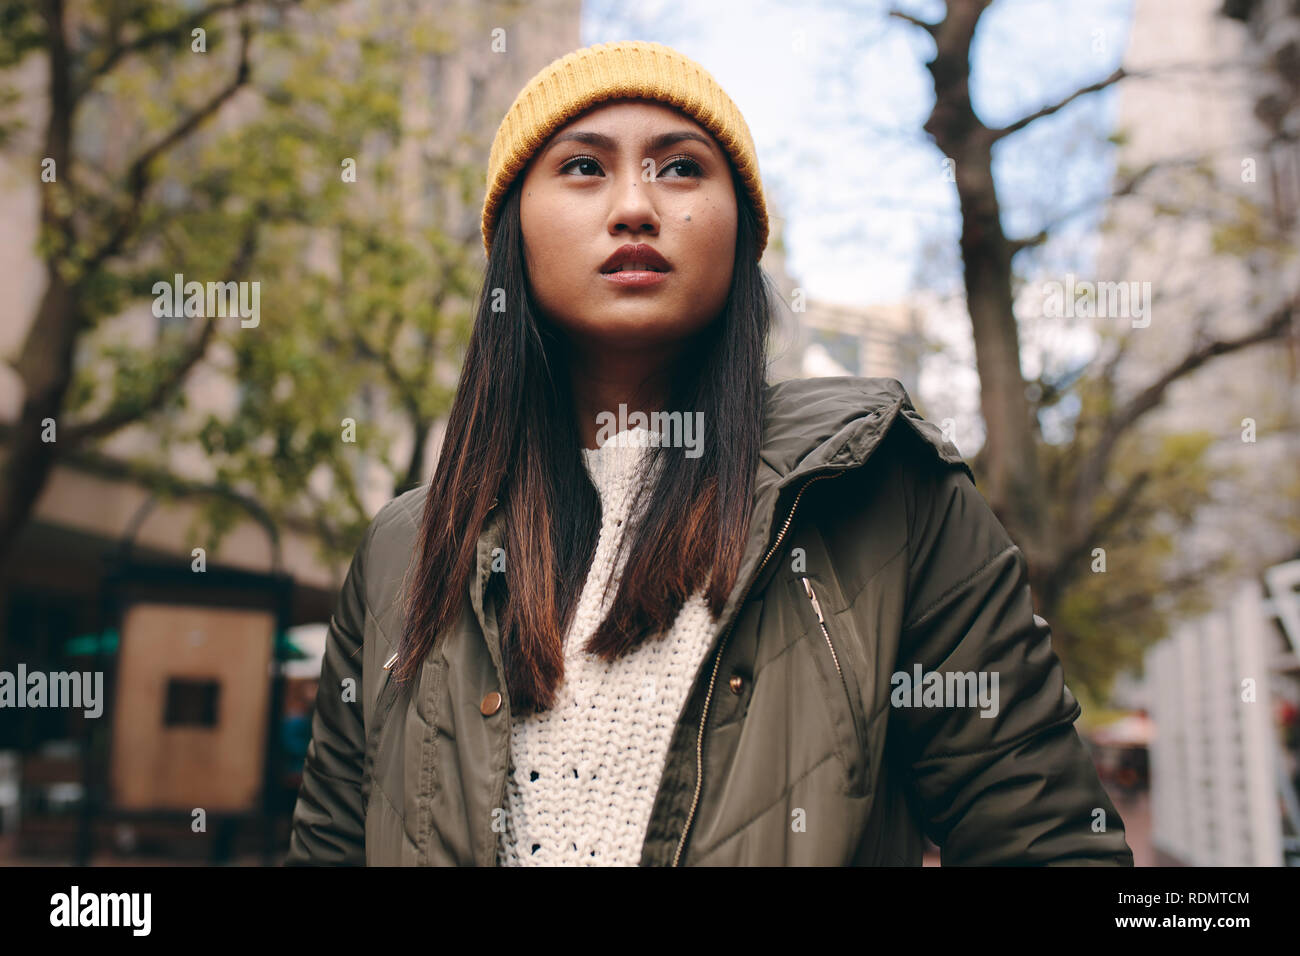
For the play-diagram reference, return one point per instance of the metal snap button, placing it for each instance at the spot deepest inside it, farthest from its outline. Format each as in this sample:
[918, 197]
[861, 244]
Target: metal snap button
[737, 683]
[490, 705]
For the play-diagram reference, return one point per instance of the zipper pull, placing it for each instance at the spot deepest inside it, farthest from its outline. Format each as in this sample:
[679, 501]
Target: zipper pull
[389, 663]
[813, 597]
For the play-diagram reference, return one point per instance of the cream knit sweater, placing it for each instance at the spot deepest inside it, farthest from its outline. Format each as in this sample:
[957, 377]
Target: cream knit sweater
[584, 774]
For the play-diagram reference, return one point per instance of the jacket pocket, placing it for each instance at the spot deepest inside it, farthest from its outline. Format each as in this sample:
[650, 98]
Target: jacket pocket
[842, 701]
[388, 692]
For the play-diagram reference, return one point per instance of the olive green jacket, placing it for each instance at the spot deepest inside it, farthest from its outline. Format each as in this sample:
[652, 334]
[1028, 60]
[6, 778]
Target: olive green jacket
[871, 556]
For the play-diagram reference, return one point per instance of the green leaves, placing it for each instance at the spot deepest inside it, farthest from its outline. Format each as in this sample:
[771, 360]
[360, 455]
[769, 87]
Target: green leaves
[361, 300]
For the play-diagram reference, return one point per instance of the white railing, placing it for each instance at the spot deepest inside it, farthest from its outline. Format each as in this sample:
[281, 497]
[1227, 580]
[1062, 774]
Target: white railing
[1220, 781]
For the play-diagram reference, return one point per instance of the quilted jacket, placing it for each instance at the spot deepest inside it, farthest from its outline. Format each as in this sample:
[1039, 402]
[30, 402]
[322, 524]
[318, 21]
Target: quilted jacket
[878, 674]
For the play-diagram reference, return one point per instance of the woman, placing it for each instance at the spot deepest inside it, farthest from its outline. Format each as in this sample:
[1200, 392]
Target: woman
[762, 625]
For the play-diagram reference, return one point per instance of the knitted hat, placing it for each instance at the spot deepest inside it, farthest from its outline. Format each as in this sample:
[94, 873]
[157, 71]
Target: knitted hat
[580, 80]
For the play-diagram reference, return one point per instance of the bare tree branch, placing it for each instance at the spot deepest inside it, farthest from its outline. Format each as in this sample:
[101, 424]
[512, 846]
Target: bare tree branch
[174, 34]
[1127, 186]
[138, 175]
[1018, 125]
[1096, 529]
[1173, 587]
[120, 414]
[171, 484]
[930, 28]
[1087, 484]
[1119, 74]
[1112, 363]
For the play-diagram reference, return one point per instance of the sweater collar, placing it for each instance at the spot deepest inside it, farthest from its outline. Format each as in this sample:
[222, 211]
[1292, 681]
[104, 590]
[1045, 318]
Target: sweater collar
[617, 468]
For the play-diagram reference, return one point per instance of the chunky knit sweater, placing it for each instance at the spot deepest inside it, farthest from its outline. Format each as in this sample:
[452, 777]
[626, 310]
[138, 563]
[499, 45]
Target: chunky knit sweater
[584, 774]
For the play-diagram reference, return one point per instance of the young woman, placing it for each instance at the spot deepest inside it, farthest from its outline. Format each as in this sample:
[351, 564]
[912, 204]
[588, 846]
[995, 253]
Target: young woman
[763, 624]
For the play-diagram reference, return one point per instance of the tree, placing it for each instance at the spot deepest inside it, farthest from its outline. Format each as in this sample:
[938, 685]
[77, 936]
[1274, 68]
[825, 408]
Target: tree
[87, 230]
[281, 178]
[1058, 501]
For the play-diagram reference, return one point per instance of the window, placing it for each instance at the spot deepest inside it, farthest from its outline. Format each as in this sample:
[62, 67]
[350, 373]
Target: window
[191, 703]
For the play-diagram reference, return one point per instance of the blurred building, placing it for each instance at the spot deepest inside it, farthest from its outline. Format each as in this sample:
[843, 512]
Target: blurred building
[873, 341]
[812, 338]
[1225, 758]
[49, 605]
[1210, 162]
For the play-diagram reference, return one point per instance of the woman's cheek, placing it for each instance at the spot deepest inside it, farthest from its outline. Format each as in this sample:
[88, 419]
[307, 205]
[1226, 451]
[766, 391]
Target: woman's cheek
[717, 215]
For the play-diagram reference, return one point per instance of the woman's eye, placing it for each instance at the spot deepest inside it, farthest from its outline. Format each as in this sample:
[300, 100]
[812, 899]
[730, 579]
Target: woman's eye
[587, 161]
[588, 166]
[690, 165]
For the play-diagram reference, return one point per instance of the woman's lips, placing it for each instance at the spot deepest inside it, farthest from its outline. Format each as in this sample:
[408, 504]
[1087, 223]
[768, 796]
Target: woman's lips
[634, 255]
[634, 278]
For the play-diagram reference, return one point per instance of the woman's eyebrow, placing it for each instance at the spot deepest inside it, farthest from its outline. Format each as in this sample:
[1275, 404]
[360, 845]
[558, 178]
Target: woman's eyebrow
[652, 145]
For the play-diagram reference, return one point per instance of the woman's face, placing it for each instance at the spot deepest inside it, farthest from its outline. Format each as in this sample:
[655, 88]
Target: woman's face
[629, 171]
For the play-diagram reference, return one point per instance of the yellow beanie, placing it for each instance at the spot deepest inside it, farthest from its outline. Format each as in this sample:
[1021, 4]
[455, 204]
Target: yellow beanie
[579, 80]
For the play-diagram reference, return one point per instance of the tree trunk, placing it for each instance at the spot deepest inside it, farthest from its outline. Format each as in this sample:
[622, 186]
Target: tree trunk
[45, 368]
[1015, 484]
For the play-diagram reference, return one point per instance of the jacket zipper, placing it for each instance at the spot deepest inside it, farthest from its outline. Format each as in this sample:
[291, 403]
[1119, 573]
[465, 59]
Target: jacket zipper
[812, 596]
[717, 660]
[821, 621]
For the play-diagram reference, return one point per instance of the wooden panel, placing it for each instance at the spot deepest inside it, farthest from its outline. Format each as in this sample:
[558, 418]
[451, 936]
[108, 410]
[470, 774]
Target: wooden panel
[189, 725]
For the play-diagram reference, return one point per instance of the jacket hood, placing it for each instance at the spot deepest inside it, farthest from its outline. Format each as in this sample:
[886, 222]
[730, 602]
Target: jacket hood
[836, 422]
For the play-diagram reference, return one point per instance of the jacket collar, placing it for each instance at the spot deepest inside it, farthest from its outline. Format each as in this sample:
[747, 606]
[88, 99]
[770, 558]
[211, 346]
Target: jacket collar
[818, 427]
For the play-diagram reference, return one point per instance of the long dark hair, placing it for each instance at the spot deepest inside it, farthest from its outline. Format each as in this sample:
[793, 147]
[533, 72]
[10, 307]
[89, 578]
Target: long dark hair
[512, 436]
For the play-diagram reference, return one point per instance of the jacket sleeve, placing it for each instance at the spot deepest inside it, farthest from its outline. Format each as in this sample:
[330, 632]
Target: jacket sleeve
[1017, 786]
[328, 824]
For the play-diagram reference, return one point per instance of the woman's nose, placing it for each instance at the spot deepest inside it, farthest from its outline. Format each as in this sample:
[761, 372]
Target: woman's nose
[633, 204]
